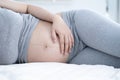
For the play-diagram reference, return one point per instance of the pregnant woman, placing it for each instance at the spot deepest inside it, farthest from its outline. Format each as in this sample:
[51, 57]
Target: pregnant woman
[29, 33]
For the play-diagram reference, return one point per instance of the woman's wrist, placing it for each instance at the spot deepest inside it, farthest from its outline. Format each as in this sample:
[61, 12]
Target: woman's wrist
[56, 17]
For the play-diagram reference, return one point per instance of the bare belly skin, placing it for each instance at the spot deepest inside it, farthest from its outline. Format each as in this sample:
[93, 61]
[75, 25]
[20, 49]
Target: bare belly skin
[42, 48]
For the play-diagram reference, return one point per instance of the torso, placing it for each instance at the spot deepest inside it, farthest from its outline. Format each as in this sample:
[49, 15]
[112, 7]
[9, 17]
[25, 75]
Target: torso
[42, 48]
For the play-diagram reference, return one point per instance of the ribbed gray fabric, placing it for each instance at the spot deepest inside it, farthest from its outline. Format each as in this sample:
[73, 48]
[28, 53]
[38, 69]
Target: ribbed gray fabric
[97, 38]
[79, 45]
[15, 32]
[29, 25]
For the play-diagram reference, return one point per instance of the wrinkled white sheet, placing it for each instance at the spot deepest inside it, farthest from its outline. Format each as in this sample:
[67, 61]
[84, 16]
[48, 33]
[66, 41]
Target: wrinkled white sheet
[58, 71]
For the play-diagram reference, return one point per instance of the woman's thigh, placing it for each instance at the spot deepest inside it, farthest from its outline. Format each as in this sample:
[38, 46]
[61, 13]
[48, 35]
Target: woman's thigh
[98, 32]
[93, 57]
[68, 17]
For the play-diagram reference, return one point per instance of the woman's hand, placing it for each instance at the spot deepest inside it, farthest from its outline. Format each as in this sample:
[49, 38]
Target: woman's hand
[62, 31]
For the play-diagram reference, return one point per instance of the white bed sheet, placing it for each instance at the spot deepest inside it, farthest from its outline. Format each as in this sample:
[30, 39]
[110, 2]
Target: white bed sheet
[58, 71]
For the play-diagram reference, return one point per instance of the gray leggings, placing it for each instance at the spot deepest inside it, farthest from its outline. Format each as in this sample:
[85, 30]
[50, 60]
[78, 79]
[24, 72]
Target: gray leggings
[97, 38]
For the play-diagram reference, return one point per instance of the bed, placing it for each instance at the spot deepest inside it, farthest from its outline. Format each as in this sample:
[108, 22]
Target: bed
[58, 71]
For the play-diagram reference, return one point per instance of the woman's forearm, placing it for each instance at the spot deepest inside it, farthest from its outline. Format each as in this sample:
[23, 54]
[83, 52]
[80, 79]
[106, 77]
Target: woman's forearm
[40, 13]
[27, 8]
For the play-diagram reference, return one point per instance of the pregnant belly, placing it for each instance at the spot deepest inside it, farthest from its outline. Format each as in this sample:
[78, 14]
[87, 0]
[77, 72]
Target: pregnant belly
[42, 48]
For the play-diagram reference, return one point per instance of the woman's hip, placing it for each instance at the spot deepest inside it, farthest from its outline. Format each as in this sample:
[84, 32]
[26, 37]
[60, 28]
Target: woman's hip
[68, 17]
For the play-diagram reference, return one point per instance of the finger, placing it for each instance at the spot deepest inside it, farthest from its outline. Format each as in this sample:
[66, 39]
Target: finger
[62, 43]
[70, 44]
[72, 40]
[66, 44]
[53, 35]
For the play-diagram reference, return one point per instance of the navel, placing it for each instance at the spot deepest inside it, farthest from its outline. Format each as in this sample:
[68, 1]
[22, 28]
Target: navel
[46, 46]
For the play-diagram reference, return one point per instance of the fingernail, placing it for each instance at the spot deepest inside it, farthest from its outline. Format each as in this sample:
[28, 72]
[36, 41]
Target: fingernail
[62, 52]
[70, 51]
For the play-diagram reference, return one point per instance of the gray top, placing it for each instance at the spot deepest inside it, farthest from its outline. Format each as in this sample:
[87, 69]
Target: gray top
[15, 33]
[29, 24]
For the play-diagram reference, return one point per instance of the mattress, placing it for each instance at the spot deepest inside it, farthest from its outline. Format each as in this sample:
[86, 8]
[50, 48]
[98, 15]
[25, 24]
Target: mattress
[58, 71]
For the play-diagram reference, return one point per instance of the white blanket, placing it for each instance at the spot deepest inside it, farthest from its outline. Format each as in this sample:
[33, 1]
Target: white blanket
[58, 71]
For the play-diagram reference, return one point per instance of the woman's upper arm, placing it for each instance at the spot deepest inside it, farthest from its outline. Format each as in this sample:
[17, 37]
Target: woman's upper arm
[20, 7]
